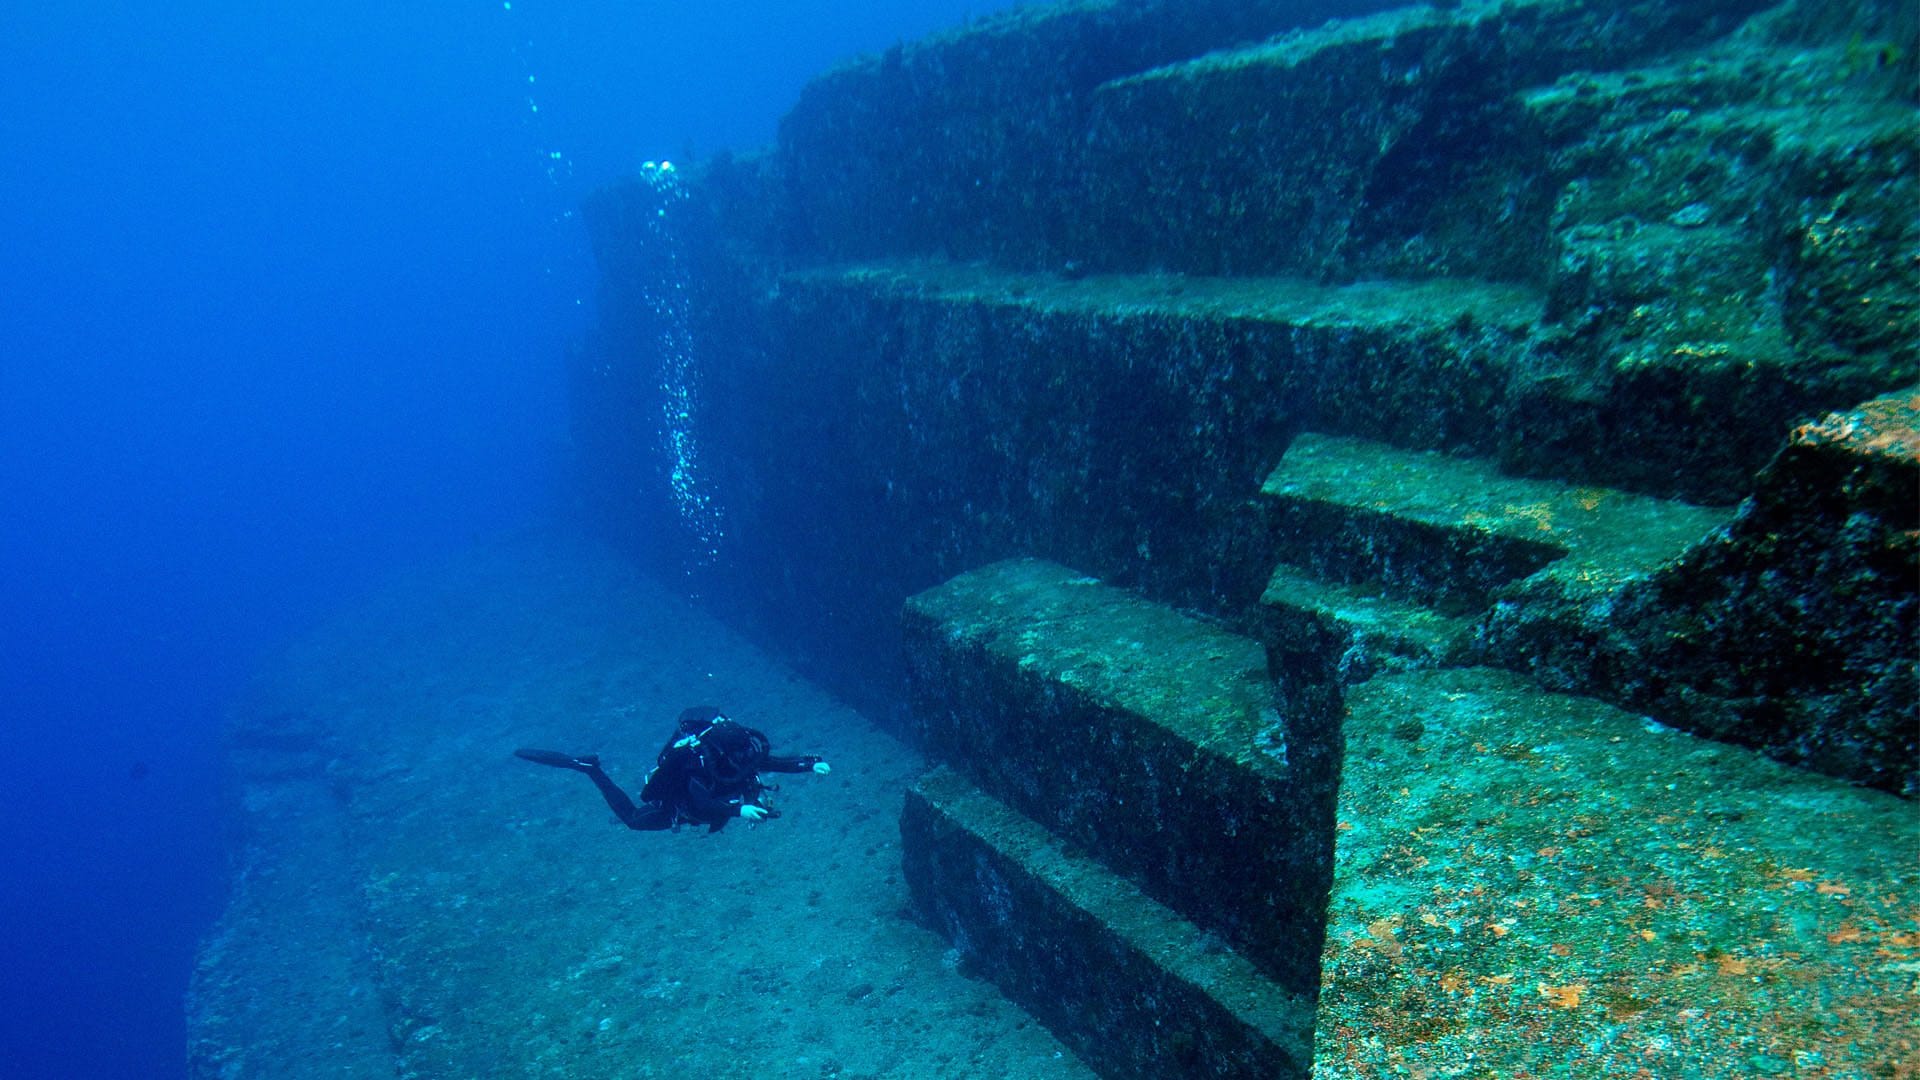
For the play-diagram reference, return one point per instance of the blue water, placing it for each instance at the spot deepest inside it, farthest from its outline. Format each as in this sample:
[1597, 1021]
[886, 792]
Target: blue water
[284, 295]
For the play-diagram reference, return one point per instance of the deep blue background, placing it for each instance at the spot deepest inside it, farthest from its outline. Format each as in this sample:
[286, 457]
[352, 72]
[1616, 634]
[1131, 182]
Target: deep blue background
[284, 292]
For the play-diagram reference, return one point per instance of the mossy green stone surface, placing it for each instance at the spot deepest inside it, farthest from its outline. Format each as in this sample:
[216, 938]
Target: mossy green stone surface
[1367, 631]
[1437, 303]
[1149, 738]
[1599, 531]
[1534, 885]
[1204, 687]
[1136, 989]
[1793, 629]
[1469, 527]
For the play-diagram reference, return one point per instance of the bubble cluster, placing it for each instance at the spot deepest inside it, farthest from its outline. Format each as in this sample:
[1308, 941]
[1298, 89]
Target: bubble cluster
[668, 300]
[557, 165]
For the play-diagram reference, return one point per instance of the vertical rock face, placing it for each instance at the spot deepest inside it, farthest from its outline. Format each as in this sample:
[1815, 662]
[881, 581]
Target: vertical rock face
[1132, 987]
[964, 146]
[1150, 740]
[1117, 256]
[1144, 862]
[1520, 310]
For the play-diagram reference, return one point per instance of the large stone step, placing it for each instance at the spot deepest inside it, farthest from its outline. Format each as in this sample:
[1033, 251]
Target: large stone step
[1133, 988]
[1423, 361]
[963, 142]
[1031, 138]
[1149, 739]
[1449, 531]
[1530, 884]
[1355, 630]
[1410, 306]
[1381, 145]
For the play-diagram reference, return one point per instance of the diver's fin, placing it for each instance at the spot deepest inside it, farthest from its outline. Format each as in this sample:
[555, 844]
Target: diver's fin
[557, 759]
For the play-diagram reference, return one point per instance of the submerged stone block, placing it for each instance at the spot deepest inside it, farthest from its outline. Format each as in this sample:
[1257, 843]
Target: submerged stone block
[1355, 631]
[1421, 362]
[1733, 251]
[1136, 990]
[1793, 630]
[1529, 884]
[1387, 145]
[964, 414]
[963, 145]
[1148, 738]
[1450, 531]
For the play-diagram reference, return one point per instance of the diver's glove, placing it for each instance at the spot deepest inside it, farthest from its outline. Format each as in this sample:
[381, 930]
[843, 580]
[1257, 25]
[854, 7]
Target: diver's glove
[822, 768]
[814, 763]
[754, 813]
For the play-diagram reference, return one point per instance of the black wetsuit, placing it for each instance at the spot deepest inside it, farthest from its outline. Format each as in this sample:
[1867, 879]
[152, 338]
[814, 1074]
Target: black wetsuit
[703, 776]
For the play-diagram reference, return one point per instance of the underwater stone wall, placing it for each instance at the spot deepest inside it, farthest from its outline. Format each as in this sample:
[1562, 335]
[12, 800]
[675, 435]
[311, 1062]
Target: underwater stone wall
[1707, 224]
[1089, 135]
[1387, 145]
[1150, 740]
[1131, 987]
[962, 146]
[917, 439]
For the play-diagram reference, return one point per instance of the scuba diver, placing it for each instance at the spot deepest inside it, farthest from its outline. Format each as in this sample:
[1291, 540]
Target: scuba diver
[708, 774]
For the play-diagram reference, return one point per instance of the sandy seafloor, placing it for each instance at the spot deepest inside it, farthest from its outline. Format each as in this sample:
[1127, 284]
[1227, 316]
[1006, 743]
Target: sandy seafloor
[495, 920]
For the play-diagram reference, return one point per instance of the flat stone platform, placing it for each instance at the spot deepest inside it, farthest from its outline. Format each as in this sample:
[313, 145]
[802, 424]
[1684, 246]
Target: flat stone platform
[1435, 303]
[1534, 885]
[1449, 529]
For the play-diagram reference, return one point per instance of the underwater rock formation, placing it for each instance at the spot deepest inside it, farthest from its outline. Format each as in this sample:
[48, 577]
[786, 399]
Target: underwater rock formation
[1112, 261]
[1405, 524]
[1472, 358]
[1794, 629]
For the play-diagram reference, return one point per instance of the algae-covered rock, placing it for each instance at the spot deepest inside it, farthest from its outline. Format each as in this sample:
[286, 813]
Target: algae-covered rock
[1151, 740]
[1530, 884]
[1794, 629]
[1734, 250]
[965, 145]
[1135, 989]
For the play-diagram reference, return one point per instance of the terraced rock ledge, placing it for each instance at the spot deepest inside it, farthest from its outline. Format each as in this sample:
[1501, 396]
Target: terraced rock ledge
[1532, 884]
[1149, 740]
[1452, 530]
[1182, 367]
[1426, 359]
[1394, 558]
[1524, 883]
[1135, 989]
